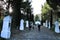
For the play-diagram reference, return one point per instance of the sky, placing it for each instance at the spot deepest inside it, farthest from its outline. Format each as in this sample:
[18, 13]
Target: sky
[37, 6]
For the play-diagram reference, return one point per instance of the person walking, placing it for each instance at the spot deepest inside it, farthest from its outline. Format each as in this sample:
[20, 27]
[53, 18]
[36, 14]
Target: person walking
[30, 25]
[39, 27]
[38, 23]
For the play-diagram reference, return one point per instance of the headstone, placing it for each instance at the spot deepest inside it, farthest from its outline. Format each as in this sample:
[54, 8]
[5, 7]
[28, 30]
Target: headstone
[27, 23]
[49, 25]
[21, 24]
[5, 33]
[57, 27]
[46, 23]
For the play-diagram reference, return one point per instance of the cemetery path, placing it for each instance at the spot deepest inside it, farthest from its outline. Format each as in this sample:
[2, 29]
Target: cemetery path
[34, 34]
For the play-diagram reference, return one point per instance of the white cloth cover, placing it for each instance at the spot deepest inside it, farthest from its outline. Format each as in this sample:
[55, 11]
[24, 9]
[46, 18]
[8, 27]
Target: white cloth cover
[56, 27]
[5, 33]
[27, 23]
[21, 24]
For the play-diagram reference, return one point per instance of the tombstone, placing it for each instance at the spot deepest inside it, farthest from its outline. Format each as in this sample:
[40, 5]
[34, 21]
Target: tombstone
[27, 23]
[5, 33]
[46, 23]
[49, 25]
[21, 25]
[57, 27]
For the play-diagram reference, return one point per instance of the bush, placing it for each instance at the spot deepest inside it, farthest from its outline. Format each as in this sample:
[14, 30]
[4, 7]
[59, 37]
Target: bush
[53, 28]
[1, 21]
[36, 18]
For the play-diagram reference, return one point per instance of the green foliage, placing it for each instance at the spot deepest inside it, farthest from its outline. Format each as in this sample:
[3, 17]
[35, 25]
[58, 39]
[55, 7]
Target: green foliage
[36, 18]
[27, 7]
[1, 24]
[53, 28]
[17, 15]
[45, 8]
[44, 17]
[53, 3]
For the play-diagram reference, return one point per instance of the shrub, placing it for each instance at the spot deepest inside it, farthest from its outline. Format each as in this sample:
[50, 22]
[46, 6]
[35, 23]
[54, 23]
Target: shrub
[1, 21]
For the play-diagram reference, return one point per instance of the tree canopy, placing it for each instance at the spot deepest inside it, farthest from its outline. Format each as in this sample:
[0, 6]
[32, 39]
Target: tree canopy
[54, 3]
[36, 18]
[17, 5]
[45, 8]
[45, 11]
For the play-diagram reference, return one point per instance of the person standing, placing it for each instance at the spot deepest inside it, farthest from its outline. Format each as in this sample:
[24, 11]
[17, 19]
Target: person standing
[39, 26]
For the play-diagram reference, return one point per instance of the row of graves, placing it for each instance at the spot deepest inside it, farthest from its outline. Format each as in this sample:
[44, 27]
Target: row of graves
[56, 25]
[6, 27]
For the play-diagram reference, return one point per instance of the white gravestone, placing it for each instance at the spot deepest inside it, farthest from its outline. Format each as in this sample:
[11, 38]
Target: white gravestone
[21, 24]
[56, 27]
[46, 23]
[5, 33]
[27, 23]
[49, 25]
